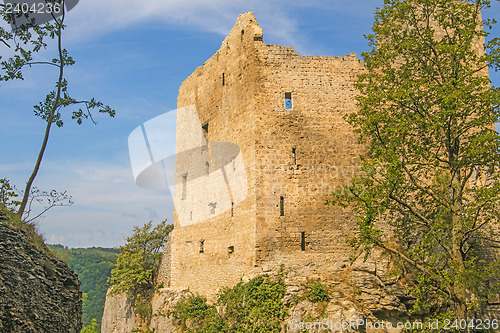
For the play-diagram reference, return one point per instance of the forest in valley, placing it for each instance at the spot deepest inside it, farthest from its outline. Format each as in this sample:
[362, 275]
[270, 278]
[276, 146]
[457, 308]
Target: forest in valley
[93, 266]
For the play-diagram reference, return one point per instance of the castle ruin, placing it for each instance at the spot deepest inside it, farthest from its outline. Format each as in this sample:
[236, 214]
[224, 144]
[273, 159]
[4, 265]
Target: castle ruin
[261, 144]
[286, 114]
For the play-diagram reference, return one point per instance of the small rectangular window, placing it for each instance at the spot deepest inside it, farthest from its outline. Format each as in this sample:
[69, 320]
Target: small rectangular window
[294, 155]
[223, 79]
[282, 206]
[212, 206]
[288, 100]
[230, 249]
[202, 246]
[303, 241]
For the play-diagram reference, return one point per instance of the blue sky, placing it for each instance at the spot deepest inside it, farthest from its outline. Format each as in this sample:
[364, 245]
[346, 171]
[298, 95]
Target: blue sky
[133, 55]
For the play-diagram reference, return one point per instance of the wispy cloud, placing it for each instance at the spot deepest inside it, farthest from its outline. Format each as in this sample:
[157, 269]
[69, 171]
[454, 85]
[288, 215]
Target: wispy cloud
[107, 203]
[93, 17]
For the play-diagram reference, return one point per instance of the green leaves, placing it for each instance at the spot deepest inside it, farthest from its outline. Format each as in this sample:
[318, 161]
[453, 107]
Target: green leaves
[93, 327]
[138, 260]
[27, 40]
[55, 100]
[93, 266]
[137, 265]
[8, 195]
[426, 114]
[255, 306]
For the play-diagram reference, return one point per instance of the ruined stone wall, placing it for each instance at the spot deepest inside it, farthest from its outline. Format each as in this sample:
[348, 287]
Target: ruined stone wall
[220, 250]
[293, 156]
[164, 271]
[305, 152]
[293, 159]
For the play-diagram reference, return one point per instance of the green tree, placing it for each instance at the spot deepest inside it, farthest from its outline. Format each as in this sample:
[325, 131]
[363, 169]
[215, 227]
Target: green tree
[93, 266]
[427, 114]
[27, 40]
[93, 327]
[138, 261]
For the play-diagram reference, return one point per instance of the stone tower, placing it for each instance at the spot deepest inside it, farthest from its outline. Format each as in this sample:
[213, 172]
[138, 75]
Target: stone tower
[261, 143]
[285, 113]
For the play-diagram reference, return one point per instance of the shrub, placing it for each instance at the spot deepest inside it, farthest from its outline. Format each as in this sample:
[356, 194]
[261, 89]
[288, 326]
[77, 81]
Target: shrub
[255, 306]
[316, 292]
[138, 261]
[137, 265]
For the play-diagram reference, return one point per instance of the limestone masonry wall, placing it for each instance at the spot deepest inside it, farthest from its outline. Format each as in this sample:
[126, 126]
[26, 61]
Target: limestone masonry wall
[293, 156]
[220, 250]
[261, 143]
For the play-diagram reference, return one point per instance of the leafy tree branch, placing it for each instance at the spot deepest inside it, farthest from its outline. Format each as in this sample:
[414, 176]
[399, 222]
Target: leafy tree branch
[27, 40]
[426, 115]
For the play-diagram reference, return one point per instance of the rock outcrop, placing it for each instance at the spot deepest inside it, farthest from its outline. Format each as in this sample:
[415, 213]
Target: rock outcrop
[119, 315]
[38, 293]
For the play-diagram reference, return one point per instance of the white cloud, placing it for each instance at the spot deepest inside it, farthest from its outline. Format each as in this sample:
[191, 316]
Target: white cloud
[107, 203]
[93, 17]
[15, 167]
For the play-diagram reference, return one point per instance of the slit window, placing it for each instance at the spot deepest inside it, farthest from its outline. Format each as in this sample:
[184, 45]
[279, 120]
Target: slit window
[282, 206]
[232, 209]
[204, 127]
[223, 79]
[303, 240]
[288, 101]
[294, 155]
[202, 246]
[184, 185]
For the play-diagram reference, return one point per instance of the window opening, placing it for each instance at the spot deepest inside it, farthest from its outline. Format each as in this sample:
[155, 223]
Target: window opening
[230, 249]
[294, 154]
[184, 185]
[282, 206]
[202, 246]
[223, 79]
[212, 207]
[288, 100]
[303, 241]
[204, 127]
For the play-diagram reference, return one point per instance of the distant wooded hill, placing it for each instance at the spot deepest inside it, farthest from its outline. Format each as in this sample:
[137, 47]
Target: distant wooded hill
[93, 266]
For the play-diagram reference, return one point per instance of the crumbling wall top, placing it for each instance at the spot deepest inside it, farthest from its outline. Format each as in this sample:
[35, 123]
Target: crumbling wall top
[246, 27]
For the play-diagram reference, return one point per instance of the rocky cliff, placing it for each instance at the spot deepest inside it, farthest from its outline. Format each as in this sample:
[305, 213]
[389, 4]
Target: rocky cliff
[38, 293]
[119, 315]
